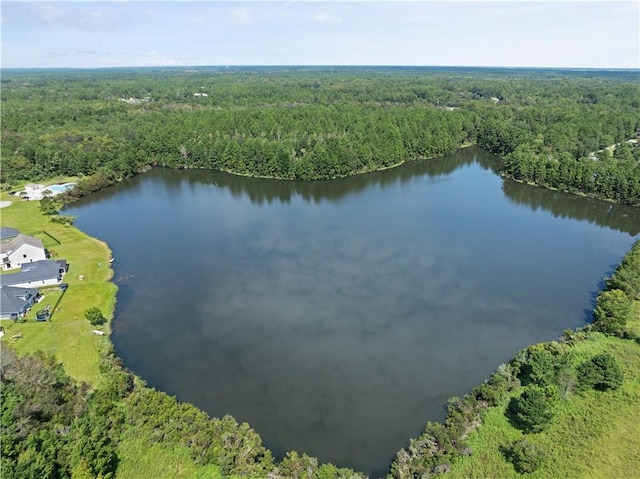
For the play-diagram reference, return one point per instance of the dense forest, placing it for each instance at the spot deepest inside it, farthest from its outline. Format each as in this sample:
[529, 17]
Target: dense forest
[553, 128]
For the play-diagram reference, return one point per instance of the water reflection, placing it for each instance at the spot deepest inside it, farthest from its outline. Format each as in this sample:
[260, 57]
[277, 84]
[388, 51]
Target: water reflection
[337, 317]
[269, 191]
[565, 205]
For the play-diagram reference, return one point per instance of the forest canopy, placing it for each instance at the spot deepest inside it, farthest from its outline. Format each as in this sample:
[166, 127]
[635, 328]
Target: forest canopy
[552, 127]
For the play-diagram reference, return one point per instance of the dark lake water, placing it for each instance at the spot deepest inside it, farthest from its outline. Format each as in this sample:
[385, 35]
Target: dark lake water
[338, 317]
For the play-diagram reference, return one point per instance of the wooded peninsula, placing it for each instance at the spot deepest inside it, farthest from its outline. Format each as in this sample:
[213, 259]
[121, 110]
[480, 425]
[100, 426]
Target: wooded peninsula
[568, 408]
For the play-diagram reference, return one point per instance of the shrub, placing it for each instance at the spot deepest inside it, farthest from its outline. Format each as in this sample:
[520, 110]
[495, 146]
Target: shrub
[63, 219]
[601, 372]
[49, 206]
[532, 410]
[95, 317]
[496, 389]
[611, 312]
[524, 456]
[538, 368]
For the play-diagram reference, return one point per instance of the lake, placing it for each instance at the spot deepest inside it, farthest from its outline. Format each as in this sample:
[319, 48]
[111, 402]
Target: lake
[337, 317]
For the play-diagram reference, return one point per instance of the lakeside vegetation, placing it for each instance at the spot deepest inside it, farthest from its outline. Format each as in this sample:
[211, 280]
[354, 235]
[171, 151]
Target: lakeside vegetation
[567, 408]
[117, 427]
[137, 432]
[553, 128]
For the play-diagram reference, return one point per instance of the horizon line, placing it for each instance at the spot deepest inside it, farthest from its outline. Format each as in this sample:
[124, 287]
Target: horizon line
[248, 65]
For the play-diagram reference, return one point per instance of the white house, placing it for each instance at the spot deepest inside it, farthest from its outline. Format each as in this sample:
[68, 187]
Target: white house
[19, 250]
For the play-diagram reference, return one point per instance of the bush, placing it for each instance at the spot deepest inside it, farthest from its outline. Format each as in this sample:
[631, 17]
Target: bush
[532, 411]
[601, 372]
[611, 312]
[95, 317]
[49, 206]
[496, 389]
[63, 219]
[524, 456]
[538, 368]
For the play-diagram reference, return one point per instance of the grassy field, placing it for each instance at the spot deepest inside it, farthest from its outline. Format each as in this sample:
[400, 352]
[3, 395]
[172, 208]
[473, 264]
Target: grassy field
[141, 458]
[594, 435]
[68, 335]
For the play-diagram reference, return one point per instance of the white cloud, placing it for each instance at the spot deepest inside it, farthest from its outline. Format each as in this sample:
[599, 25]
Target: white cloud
[240, 16]
[46, 14]
[534, 33]
[324, 18]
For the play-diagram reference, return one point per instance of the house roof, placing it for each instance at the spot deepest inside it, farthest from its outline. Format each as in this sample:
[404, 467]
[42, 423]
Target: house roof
[21, 239]
[6, 233]
[13, 300]
[37, 271]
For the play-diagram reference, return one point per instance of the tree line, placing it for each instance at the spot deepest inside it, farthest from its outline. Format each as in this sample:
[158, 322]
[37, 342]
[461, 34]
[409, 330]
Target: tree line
[320, 123]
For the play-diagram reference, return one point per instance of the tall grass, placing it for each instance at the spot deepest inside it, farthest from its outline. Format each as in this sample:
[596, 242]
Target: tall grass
[594, 434]
[141, 458]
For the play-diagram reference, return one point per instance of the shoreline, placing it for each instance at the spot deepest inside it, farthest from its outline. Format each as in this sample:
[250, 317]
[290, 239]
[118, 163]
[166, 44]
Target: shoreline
[110, 289]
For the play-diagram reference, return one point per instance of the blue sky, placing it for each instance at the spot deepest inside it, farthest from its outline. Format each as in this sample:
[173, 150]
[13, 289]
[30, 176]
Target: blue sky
[481, 33]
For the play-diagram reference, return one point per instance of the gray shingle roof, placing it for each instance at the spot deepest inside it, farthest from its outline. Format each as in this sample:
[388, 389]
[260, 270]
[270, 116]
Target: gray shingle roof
[37, 271]
[15, 243]
[11, 299]
[6, 232]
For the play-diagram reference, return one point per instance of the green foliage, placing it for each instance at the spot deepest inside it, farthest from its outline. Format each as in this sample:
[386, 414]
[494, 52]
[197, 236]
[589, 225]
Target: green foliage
[49, 206]
[320, 124]
[82, 471]
[614, 303]
[294, 465]
[497, 387]
[546, 365]
[525, 456]
[53, 429]
[626, 276]
[601, 372]
[539, 367]
[95, 316]
[39, 407]
[611, 312]
[66, 220]
[93, 441]
[532, 411]
[236, 448]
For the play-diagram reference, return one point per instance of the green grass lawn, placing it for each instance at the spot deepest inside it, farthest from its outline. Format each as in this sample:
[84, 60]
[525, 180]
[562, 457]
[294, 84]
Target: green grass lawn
[68, 335]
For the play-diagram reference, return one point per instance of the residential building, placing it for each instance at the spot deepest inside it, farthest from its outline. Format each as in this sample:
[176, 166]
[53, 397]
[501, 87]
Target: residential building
[36, 274]
[15, 302]
[20, 249]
